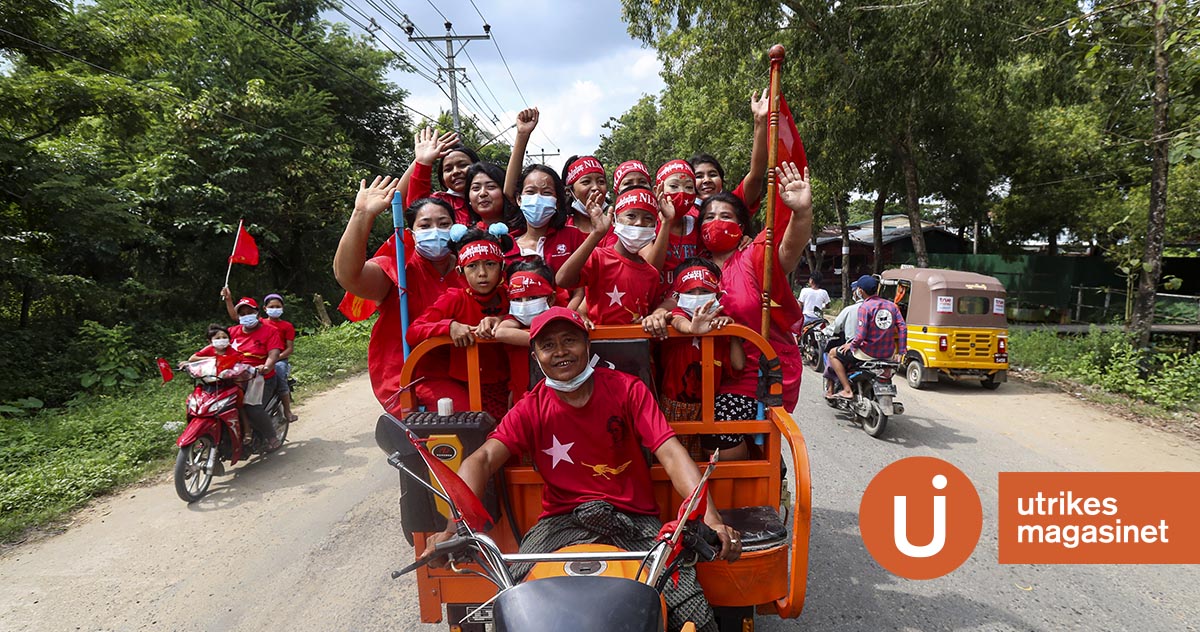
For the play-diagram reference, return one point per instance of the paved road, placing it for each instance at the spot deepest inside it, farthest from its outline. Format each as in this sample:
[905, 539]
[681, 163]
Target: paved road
[304, 540]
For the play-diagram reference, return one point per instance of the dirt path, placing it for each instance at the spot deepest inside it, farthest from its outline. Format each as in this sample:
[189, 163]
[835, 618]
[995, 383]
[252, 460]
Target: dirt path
[305, 539]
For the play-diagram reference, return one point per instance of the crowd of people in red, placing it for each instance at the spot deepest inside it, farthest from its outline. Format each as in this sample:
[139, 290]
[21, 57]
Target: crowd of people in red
[494, 248]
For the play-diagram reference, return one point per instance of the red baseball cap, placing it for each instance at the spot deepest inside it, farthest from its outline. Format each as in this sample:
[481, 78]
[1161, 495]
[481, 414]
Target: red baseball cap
[245, 300]
[554, 314]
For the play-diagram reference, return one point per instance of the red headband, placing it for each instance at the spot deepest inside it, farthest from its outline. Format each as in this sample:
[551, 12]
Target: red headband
[583, 167]
[628, 167]
[672, 168]
[697, 277]
[528, 285]
[637, 198]
[481, 250]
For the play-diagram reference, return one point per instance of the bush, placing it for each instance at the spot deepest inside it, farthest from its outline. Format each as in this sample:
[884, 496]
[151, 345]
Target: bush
[51, 461]
[1112, 362]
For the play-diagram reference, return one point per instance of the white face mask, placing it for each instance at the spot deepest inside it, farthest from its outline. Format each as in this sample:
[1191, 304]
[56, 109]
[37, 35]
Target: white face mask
[274, 312]
[248, 321]
[573, 384]
[692, 302]
[634, 238]
[220, 343]
[526, 311]
[579, 207]
[432, 243]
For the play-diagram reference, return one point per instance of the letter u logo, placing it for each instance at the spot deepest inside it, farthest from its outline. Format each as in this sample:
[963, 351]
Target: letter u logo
[900, 524]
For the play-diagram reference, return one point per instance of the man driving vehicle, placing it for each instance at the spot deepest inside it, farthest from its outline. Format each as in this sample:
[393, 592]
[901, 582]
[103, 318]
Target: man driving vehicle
[881, 334]
[585, 428]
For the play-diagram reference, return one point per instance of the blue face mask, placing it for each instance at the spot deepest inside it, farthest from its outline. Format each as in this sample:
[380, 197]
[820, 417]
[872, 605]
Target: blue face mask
[248, 321]
[432, 243]
[538, 209]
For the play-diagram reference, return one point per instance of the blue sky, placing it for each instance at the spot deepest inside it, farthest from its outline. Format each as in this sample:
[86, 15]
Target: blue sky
[575, 61]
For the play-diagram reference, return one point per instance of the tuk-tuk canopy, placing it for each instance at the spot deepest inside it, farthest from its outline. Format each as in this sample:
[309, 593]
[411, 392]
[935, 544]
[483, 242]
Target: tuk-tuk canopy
[946, 297]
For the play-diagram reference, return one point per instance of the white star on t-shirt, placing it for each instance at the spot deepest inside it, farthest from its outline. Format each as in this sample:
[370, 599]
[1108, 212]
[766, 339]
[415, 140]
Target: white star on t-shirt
[559, 452]
[616, 296]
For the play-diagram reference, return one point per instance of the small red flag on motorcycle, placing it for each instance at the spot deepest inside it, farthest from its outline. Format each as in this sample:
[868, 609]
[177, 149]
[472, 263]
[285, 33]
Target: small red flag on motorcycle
[468, 504]
[164, 368]
[245, 250]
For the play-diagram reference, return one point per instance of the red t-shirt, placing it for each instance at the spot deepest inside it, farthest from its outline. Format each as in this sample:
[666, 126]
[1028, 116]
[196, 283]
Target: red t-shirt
[421, 185]
[593, 452]
[385, 355]
[681, 247]
[619, 291]
[256, 343]
[286, 329]
[224, 360]
[682, 369]
[741, 280]
[456, 304]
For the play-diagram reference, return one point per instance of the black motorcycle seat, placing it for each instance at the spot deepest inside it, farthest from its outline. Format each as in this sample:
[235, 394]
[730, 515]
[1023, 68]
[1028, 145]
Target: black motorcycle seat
[579, 604]
[761, 527]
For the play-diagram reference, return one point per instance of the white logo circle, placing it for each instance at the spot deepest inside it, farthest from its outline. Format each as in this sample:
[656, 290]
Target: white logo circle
[883, 319]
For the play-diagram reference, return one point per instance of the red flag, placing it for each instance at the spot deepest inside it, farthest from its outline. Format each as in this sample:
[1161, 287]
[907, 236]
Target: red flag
[791, 149]
[356, 308]
[164, 368]
[245, 251]
[469, 506]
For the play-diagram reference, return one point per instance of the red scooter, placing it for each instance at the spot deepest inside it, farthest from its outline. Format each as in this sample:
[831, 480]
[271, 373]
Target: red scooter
[214, 432]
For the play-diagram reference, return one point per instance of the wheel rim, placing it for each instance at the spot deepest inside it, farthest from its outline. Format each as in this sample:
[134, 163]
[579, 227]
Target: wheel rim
[914, 374]
[196, 479]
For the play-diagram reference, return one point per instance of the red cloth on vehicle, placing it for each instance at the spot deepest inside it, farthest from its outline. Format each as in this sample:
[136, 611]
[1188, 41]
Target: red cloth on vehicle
[224, 360]
[456, 304]
[593, 452]
[619, 291]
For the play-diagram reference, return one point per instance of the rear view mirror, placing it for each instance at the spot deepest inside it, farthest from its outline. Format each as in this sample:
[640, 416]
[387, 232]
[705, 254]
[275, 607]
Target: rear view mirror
[392, 436]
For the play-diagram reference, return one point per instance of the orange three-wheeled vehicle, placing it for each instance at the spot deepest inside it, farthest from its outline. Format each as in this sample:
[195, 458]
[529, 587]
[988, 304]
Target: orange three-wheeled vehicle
[772, 512]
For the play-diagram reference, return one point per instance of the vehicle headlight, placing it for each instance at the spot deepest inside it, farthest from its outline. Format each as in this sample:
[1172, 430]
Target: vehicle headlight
[218, 405]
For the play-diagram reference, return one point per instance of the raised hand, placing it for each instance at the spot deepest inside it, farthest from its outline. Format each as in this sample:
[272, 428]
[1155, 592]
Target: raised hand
[428, 146]
[794, 188]
[527, 120]
[666, 210]
[601, 221]
[760, 106]
[705, 319]
[377, 197]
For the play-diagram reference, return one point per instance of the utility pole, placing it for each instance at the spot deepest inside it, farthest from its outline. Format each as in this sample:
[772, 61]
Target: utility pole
[540, 156]
[450, 69]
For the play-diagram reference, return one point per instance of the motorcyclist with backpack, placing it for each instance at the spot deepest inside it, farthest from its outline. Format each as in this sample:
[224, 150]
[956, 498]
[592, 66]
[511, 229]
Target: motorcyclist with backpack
[881, 334]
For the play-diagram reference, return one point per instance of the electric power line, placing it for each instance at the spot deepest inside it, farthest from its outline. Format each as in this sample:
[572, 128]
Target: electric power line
[180, 98]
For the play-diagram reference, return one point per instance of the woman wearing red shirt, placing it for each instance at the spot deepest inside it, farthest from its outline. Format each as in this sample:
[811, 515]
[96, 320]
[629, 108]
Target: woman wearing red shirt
[452, 171]
[723, 219]
[429, 270]
[487, 203]
[460, 314]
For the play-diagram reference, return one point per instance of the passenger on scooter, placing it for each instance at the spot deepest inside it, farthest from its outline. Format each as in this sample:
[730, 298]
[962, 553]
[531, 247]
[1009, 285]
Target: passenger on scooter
[261, 344]
[219, 348]
[585, 429]
[273, 304]
[844, 328]
[881, 334]
[813, 297]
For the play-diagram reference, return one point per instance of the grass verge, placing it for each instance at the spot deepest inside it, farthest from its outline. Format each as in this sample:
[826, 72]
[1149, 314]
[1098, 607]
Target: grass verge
[56, 460]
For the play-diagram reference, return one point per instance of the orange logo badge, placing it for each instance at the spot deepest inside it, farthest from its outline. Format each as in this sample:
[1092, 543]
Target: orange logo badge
[920, 518]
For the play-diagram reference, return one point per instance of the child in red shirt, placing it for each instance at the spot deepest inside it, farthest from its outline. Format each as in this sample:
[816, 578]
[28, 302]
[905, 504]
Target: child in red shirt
[696, 287]
[621, 287]
[218, 347]
[463, 315]
[678, 183]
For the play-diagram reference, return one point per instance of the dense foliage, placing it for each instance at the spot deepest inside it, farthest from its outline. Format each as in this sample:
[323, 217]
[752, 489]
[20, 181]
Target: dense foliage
[136, 133]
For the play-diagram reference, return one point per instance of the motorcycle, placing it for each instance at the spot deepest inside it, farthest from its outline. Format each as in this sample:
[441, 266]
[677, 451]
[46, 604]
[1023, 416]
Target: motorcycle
[874, 398]
[810, 348]
[213, 433]
[576, 587]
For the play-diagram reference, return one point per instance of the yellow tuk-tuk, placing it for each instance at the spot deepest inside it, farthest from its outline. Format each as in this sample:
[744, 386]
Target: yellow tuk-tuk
[956, 324]
[770, 578]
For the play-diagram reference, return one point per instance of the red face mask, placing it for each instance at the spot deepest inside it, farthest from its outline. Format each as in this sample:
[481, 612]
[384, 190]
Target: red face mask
[721, 235]
[682, 201]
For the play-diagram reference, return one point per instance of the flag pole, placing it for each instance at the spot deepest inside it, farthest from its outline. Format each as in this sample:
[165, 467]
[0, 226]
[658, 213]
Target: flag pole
[776, 56]
[236, 237]
[401, 278]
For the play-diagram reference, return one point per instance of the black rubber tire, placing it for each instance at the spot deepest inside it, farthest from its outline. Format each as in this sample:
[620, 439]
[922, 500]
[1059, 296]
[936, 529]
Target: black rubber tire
[808, 351]
[913, 373]
[990, 383]
[189, 457]
[874, 424]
